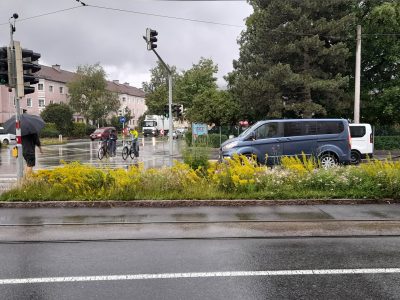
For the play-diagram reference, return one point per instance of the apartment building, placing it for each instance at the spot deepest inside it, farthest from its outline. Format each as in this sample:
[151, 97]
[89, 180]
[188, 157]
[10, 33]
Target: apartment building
[52, 88]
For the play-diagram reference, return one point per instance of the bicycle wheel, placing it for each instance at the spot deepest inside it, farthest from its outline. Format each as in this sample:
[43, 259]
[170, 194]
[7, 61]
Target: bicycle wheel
[125, 152]
[134, 151]
[101, 153]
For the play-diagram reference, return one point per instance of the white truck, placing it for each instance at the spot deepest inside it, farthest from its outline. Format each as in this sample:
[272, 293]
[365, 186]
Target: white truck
[6, 138]
[154, 125]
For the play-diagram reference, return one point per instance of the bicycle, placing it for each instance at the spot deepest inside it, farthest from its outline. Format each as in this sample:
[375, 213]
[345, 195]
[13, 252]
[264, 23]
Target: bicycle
[103, 150]
[132, 150]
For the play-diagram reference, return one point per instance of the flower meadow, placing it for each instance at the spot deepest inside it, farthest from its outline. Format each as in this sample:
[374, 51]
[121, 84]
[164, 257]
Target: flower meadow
[237, 178]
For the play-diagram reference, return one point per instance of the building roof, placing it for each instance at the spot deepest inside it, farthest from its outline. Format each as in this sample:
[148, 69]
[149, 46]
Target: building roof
[55, 73]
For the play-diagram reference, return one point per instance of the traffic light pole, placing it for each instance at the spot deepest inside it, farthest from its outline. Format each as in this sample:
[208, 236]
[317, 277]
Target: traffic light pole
[170, 131]
[20, 162]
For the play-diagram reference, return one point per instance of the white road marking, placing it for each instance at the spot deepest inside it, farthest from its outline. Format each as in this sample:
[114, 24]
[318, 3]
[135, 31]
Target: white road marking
[198, 275]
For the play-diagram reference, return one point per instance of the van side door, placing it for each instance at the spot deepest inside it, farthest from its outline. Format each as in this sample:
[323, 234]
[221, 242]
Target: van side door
[300, 137]
[267, 145]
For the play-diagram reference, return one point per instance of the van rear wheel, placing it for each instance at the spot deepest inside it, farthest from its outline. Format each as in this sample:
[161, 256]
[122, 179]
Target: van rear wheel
[328, 161]
[251, 158]
[355, 157]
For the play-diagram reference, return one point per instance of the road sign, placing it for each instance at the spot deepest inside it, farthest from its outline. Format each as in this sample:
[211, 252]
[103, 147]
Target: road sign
[122, 119]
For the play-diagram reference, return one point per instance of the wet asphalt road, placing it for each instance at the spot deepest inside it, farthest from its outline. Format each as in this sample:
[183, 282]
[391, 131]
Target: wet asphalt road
[190, 253]
[187, 256]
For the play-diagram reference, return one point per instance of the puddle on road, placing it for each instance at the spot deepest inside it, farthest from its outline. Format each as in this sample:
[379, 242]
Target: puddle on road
[303, 215]
[246, 216]
[190, 217]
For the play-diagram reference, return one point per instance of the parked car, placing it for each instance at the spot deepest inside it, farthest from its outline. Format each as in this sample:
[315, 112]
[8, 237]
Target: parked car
[6, 138]
[326, 139]
[101, 133]
[362, 142]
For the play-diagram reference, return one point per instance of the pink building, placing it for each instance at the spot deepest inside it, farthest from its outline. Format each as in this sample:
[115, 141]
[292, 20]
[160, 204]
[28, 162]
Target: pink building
[52, 88]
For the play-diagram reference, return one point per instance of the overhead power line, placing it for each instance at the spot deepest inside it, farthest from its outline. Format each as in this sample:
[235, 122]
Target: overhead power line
[45, 14]
[84, 4]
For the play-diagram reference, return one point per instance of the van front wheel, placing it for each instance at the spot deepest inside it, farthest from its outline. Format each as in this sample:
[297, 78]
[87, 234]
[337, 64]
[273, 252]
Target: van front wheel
[328, 160]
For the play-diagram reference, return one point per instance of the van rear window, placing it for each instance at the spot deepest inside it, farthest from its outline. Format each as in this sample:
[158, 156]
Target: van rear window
[357, 131]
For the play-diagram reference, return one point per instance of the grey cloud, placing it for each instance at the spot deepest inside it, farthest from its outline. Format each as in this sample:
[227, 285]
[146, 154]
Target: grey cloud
[88, 35]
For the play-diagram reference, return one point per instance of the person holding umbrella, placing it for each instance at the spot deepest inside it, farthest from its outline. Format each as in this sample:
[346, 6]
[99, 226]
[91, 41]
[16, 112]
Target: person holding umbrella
[29, 142]
[31, 126]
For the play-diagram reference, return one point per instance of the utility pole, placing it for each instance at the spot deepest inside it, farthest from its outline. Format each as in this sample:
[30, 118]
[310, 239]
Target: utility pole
[150, 39]
[357, 77]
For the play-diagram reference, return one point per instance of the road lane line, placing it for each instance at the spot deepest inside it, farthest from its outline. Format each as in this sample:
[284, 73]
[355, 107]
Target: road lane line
[198, 275]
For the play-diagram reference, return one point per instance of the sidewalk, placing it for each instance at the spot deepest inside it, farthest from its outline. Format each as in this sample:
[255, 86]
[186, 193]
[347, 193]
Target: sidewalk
[88, 224]
[125, 215]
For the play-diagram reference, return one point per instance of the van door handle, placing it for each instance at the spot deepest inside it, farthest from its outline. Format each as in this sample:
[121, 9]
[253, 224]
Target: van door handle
[284, 140]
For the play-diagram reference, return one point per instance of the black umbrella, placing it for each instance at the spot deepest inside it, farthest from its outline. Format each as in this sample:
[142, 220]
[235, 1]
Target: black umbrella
[29, 124]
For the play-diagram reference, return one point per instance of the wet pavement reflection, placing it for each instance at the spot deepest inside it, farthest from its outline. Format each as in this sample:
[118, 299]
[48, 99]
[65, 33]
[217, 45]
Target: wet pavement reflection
[154, 153]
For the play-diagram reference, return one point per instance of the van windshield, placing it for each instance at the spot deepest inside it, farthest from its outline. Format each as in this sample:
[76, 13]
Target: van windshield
[251, 128]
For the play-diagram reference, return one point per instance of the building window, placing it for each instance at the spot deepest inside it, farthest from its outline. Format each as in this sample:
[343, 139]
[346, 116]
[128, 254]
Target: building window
[50, 88]
[123, 99]
[51, 101]
[29, 102]
[40, 87]
[61, 89]
[41, 103]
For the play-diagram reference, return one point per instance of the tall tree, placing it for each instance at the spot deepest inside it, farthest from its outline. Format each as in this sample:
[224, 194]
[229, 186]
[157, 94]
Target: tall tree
[380, 74]
[195, 81]
[88, 93]
[157, 89]
[213, 107]
[59, 114]
[293, 59]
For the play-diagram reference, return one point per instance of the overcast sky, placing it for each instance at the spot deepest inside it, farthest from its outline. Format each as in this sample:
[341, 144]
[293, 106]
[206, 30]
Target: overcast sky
[86, 35]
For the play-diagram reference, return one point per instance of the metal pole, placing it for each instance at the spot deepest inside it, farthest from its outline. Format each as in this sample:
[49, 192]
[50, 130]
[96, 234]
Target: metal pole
[357, 77]
[169, 103]
[170, 116]
[20, 162]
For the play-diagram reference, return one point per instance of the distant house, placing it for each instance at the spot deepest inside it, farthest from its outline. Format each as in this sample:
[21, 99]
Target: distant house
[52, 88]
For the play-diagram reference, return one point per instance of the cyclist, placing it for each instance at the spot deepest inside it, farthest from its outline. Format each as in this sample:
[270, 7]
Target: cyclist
[135, 140]
[112, 144]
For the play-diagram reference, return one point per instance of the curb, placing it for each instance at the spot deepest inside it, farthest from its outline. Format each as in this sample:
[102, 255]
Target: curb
[191, 203]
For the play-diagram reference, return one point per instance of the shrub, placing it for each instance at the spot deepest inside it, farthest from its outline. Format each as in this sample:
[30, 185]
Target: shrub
[237, 178]
[213, 140]
[387, 142]
[89, 129]
[196, 157]
[79, 130]
[49, 131]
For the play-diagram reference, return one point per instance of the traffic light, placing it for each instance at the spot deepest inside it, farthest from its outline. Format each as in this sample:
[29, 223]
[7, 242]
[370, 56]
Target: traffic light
[177, 110]
[151, 38]
[166, 110]
[4, 70]
[30, 66]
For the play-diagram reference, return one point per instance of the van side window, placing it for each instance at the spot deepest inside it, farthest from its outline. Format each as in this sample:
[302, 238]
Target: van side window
[300, 128]
[357, 131]
[294, 128]
[330, 127]
[269, 130]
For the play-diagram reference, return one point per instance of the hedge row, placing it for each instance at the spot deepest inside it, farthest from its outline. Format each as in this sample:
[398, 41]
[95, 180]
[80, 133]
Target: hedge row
[387, 142]
[78, 130]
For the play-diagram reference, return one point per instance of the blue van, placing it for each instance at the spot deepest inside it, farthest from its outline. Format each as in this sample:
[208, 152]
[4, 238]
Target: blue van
[326, 139]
